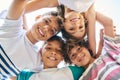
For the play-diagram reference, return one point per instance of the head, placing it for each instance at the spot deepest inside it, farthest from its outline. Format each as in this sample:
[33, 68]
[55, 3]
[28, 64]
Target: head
[75, 25]
[79, 53]
[52, 52]
[46, 26]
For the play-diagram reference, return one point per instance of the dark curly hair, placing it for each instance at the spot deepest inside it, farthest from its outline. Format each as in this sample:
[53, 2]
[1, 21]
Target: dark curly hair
[71, 44]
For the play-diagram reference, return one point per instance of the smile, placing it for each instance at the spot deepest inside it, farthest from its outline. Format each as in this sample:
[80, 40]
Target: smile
[40, 32]
[74, 19]
[52, 58]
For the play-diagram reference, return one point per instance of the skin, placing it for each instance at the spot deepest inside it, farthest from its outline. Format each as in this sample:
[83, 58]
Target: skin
[51, 54]
[90, 15]
[43, 29]
[80, 56]
[37, 4]
[74, 25]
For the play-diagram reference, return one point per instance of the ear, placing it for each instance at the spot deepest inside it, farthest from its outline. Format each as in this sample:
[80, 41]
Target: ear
[37, 17]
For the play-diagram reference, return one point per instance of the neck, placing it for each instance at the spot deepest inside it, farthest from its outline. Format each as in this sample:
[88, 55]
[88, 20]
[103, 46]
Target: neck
[46, 67]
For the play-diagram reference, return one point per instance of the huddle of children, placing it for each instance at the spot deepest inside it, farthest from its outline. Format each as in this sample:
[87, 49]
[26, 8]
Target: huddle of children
[75, 48]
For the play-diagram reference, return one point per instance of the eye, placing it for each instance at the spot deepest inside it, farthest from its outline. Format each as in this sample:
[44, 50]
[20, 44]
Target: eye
[52, 31]
[73, 56]
[71, 29]
[80, 27]
[46, 21]
[79, 49]
[59, 51]
[48, 48]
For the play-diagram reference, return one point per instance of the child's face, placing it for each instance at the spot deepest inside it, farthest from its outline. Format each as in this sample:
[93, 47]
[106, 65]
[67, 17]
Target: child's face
[52, 54]
[80, 56]
[74, 24]
[45, 28]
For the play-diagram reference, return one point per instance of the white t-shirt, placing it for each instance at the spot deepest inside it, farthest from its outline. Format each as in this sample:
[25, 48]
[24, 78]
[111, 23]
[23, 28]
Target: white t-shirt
[77, 5]
[17, 52]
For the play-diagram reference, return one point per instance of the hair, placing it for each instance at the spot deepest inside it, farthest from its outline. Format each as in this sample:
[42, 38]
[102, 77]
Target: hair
[61, 10]
[71, 44]
[57, 14]
[60, 40]
[67, 36]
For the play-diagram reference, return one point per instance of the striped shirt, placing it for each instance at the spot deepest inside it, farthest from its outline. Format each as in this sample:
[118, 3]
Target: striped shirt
[107, 66]
[7, 68]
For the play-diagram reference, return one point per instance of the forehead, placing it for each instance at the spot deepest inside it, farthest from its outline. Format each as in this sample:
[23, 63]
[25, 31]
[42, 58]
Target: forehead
[74, 17]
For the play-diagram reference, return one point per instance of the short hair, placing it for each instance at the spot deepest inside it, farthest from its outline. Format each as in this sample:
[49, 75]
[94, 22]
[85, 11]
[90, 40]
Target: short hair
[61, 40]
[67, 36]
[71, 44]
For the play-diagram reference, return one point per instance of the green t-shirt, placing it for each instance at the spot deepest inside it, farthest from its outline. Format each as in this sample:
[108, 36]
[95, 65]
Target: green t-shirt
[76, 71]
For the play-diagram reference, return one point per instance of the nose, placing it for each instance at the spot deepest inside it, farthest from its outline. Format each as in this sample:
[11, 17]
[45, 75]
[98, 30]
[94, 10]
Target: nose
[46, 27]
[53, 52]
[78, 55]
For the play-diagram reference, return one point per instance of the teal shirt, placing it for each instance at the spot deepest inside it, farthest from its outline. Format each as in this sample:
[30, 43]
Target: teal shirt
[76, 71]
[25, 74]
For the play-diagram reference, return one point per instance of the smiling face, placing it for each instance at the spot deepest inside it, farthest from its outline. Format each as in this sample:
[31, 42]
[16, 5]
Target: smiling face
[45, 28]
[75, 25]
[52, 54]
[80, 56]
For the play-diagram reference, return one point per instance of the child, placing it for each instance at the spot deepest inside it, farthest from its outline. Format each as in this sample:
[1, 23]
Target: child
[78, 27]
[52, 53]
[106, 66]
[16, 44]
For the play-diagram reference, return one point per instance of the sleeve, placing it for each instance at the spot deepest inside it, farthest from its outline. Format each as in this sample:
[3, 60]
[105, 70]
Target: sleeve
[10, 28]
[112, 47]
[25, 75]
[76, 71]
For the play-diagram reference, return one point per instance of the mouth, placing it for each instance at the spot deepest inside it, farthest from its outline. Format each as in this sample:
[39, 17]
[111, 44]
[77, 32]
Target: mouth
[74, 19]
[52, 58]
[41, 32]
[82, 58]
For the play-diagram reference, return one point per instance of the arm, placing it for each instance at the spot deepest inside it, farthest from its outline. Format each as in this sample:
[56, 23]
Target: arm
[100, 45]
[107, 24]
[38, 4]
[91, 17]
[25, 23]
[16, 9]
[109, 29]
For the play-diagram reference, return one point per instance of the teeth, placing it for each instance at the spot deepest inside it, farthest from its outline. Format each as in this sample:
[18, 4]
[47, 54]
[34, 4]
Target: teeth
[74, 19]
[41, 32]
[52, 58]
